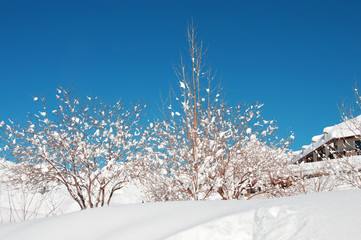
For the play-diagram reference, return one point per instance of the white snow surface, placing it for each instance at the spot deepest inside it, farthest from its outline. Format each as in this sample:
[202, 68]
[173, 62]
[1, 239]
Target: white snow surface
[314, 168]
[328, 215]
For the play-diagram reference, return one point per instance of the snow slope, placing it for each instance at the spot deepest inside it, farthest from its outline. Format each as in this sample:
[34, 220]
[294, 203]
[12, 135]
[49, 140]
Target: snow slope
[330, 215]
[18, 204]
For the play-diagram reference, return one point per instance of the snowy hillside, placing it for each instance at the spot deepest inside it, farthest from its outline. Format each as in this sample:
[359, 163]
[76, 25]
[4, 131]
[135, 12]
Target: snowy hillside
[331, 215]
[19, 204]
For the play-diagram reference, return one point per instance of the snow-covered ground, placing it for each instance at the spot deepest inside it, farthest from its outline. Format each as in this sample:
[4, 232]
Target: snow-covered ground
[329, 165]
[21, 205]
[328, 215]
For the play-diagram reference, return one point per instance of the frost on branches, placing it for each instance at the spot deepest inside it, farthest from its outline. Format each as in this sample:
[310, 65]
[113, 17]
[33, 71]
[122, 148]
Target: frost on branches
[349, 167]
[203, 148]
[89, 147]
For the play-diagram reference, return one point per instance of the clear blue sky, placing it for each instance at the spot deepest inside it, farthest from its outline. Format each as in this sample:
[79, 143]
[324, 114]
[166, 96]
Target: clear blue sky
[299, 58]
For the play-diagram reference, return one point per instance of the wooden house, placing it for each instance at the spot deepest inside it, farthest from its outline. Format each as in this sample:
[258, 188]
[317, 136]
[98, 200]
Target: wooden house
[337, 141]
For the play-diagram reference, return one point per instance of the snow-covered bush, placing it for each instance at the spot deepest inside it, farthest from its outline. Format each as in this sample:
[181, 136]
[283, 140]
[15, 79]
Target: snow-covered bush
[87, 146]
[203, 148]
[257, 168]
[348, 169]
[307, 178]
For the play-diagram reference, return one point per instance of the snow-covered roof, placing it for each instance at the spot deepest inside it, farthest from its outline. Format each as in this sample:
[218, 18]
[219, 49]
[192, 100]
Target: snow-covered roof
[348, 128]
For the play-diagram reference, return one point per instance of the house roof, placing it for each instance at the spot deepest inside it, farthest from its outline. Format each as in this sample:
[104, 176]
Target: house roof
[348, 128]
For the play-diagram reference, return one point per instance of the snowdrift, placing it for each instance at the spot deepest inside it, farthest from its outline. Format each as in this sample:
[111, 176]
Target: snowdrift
[329, 215]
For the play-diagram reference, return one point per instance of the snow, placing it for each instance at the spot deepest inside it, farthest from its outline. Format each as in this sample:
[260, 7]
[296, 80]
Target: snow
[313, 168]
[327, 215]
[345, 129]
[330, 215]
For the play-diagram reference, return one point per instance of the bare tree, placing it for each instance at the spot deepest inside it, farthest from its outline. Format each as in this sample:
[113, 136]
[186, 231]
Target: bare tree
[181, 138]
[90, 148]
[348, 167]
[200, 147]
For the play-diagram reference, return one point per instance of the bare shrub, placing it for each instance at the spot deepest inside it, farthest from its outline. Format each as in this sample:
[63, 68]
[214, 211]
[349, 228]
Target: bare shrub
[90, 148]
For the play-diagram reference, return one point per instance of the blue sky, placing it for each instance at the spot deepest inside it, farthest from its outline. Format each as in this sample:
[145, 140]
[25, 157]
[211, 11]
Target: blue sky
[300, 58]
